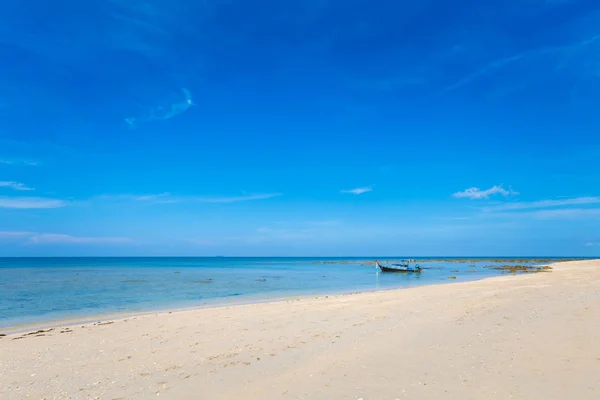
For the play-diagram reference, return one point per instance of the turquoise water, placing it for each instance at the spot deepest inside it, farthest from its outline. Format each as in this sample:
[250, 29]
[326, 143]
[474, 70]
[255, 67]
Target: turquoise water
[42, 290]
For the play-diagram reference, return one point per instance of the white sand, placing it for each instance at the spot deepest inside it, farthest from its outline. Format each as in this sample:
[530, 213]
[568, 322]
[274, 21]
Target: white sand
[522, 337]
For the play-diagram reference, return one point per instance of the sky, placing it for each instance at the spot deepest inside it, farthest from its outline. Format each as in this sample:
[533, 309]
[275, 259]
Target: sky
[300, 128]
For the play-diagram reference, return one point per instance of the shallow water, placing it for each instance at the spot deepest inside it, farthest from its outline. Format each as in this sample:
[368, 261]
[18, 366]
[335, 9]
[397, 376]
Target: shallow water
[42, 290]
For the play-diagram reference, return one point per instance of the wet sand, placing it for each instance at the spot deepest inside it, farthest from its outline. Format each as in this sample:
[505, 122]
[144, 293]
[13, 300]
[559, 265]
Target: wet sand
[534, 336]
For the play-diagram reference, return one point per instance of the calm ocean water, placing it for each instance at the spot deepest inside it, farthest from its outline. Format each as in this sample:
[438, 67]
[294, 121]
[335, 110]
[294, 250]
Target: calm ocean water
[42, 290]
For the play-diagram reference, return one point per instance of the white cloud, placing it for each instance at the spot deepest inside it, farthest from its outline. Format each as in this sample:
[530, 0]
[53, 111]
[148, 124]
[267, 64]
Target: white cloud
[359, 190]
[544, 204]
[14, 185]
[30, 202]
[476, 193]
[592, 244]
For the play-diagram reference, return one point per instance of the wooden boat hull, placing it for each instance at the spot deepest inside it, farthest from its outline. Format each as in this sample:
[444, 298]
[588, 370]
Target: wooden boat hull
[388, 269]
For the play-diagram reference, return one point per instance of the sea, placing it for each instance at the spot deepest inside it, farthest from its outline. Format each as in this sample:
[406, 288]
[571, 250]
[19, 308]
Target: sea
[47, 290]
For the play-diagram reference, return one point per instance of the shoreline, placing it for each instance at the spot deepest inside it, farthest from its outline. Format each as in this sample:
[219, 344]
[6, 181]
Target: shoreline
[114, 317]
[16, 324]
[218, 303]
[522, 336]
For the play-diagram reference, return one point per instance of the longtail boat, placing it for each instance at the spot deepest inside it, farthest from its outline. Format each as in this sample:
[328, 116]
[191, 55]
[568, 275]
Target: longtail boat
[398, 267]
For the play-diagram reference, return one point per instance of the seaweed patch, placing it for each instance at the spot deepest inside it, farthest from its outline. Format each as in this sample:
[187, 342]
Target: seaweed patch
[519, 269]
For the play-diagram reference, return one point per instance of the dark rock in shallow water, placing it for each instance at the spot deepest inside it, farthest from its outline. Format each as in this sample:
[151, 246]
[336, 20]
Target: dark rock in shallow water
[500, 260]
[261, 280]
[515, 269]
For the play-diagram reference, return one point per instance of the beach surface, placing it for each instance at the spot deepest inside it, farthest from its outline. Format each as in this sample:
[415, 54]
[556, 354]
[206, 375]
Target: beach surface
[532, 336]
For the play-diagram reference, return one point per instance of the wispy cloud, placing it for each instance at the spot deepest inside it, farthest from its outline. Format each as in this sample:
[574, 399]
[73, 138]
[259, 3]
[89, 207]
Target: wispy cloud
[168, 198]
[324, 223]
[16, 161]
[161, 113]
[359, 190]
[150, 197]
[477, 194]
[543, 204]
[14, 185]
[284, 234]
[58, 238]
[201, 242]
[30, 202]
[592, 244]
[494, 65]
[273, 235]
[293, 232]
[501, 63]
[34, 153]
[14, 234]
[55, 238]
[133, 197]
[141, 24]
[565, 213]
[233, 199]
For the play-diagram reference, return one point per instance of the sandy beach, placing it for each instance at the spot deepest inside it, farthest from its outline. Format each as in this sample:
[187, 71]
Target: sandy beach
[534, 336]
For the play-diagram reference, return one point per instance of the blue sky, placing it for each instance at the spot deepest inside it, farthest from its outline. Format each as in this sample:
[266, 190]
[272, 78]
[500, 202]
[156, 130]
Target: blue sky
[301, 128]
